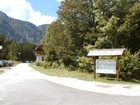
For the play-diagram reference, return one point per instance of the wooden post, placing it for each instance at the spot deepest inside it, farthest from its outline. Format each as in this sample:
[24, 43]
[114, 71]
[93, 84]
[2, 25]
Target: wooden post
[118, 68]
[94, 67]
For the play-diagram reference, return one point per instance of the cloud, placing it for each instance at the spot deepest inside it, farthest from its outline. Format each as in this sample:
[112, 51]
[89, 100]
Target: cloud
[60, 0]
[22, 9]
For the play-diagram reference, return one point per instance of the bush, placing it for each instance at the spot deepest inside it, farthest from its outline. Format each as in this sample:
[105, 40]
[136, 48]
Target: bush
[130, 66]
[37, 63]
[84, 64]
[45, 65]
[55, 65]
[48, 65]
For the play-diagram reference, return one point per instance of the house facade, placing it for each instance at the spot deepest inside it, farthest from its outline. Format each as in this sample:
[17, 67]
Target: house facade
[39, 53]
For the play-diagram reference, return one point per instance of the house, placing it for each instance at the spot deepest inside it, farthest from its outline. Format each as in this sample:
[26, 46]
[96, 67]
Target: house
[39, 53]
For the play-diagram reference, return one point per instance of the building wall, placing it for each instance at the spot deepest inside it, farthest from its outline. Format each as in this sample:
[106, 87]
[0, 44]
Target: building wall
[40, 58]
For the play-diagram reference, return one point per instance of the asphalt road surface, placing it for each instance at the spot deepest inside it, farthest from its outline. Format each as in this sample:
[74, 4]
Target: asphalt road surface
[27, 91]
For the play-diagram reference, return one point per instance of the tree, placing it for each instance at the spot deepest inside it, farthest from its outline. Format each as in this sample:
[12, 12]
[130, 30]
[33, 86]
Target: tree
[16, 51]
[129, 30]
[56, 44]
[74, 27]
[109, 15]
[78, 19]
[4, 50]
[84, 24]
[25, 52]
[12, 50]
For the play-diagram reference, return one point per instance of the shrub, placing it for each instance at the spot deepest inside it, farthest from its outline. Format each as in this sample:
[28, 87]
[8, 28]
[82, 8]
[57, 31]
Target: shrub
[84, 64]
[130, 65]
[39, 63]
[45, 65]
[48, 65]
[55, 65]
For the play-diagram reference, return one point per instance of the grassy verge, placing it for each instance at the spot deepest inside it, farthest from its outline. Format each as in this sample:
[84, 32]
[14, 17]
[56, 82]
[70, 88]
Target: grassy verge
[16, 63]
[78, 75]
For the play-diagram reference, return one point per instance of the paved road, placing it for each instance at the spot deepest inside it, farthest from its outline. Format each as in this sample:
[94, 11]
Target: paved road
[29, 91]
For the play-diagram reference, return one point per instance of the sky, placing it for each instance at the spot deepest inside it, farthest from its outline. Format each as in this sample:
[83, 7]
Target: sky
[37, 12]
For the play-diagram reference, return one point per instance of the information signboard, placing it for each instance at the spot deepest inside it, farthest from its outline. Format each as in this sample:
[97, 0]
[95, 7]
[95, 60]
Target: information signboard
[106, 66]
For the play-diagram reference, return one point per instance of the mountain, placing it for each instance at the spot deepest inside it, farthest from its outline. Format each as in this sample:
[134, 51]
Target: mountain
[21, 31]
[42, 28]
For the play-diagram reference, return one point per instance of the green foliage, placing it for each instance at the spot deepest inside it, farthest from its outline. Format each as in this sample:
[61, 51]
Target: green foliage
[16, 51]
[78, 19]
[39, 63]
[86, 24]
[49, 65]
[13, 50]
[130, 65]
[57, 45]
[26, 52]
[103, 42]
[65, 37]
[129, 30]
[109, 16]
[4, 43]
[85, 64]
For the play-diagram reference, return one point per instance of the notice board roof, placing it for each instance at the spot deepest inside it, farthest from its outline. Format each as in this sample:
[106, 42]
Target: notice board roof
[106, 52]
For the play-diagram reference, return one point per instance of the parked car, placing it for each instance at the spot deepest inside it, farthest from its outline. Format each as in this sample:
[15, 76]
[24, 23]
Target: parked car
[1, 63]
[4, 63]
[10, 63]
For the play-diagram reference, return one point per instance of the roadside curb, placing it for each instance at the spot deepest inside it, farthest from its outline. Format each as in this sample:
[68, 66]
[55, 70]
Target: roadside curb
[98, 87]
[92, 86]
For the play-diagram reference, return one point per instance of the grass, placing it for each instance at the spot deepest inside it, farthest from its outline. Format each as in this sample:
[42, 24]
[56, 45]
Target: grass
[79, 75]
[16, 63]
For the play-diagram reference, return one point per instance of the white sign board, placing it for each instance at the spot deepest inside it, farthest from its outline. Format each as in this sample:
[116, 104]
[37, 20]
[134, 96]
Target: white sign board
[106, 66]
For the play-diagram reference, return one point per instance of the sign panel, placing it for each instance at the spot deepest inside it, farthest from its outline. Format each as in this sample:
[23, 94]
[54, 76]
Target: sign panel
[106, 66]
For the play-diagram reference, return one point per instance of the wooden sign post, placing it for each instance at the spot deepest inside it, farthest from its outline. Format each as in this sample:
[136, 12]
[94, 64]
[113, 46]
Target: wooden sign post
[106, 66]
[118, 68]
[94, 60]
